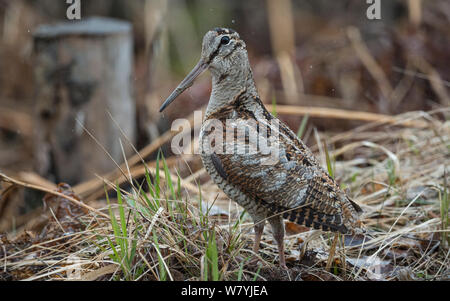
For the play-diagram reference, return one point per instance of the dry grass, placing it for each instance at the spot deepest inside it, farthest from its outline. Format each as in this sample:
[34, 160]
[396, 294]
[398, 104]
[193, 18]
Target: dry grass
[168, 221]
[183, 227]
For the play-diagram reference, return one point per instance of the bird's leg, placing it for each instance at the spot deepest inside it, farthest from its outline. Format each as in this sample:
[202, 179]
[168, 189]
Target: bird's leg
[259, 228]
[259, 223]
[278, 233]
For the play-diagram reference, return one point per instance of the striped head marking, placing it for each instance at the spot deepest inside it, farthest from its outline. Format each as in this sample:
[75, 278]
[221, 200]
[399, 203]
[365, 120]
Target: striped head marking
[219, 44]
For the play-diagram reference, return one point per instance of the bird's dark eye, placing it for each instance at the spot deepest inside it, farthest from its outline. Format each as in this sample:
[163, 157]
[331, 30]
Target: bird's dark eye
[225, 40]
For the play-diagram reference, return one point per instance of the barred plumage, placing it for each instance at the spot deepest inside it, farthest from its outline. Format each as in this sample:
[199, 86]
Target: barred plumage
[255, 158]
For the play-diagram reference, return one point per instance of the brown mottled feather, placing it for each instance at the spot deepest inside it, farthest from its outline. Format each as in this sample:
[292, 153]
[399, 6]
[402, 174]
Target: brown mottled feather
[294, 185]
[278, 188]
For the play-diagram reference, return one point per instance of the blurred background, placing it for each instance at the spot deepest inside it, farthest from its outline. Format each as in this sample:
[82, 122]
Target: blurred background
[369, 97]
[308, 53]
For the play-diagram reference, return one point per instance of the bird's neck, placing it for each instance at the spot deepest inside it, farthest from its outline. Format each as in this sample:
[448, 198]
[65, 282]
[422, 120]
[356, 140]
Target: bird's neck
[227, 86]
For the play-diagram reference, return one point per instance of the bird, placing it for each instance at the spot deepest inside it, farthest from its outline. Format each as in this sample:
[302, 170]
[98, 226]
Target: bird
[275, 178]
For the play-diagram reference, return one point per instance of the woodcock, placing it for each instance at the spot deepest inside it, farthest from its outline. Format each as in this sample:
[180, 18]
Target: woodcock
[287, 182]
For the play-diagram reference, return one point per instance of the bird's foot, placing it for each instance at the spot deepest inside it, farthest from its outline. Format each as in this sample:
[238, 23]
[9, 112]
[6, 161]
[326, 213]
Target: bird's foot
[283, 261]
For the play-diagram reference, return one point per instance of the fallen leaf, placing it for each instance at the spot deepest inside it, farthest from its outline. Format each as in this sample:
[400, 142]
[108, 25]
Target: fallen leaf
[356, 240]
[95, 274]
[402, 248]
[376, 268]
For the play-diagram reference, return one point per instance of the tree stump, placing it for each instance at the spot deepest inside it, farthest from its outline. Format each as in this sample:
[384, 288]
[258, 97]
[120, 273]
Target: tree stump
[83, 73]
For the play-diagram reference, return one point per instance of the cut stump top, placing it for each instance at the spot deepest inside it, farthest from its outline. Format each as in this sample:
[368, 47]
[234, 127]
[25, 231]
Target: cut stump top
[92, 26]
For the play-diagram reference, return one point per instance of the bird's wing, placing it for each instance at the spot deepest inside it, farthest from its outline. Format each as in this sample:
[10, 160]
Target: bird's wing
[288, 181]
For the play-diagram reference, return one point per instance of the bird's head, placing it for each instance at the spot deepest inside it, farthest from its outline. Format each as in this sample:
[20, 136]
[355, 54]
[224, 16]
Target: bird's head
[222, 51]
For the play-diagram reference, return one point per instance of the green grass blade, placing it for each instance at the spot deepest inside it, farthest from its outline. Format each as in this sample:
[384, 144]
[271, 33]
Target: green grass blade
[444, 201]
[241, 271]
[162, 269]
[257, 273]
[157, 179]
[329, 161]
[274, 105]
[168, 179]
[123, 220]
[213, 256]
[149, 182]
[302, 128]
[112, 217]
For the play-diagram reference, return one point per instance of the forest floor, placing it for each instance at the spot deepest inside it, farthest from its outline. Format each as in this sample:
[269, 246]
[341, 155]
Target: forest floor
[166, 220]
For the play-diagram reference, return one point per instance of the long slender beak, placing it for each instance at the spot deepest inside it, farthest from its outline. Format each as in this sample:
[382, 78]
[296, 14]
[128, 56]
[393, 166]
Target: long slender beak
[186, 83]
